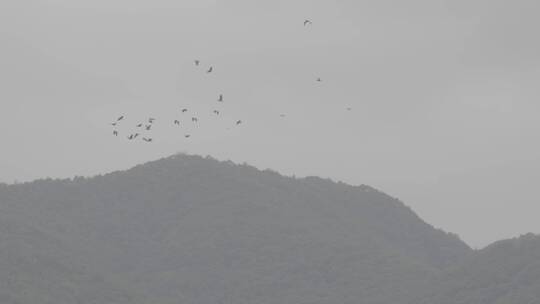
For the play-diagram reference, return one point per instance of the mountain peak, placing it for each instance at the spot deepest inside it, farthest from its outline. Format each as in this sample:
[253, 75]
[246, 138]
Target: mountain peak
[188, 222]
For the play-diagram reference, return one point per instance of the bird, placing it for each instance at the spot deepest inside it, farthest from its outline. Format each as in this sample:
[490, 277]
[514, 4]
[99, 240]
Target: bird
[176, 122]
[348, 109]
[197, 62]
[216, 112]
[113, 124]
[238, 122]
[135, 136]
[194, 119]
[184, 110]
[139, 125]
[187, 136]
[148, 127]
[319, 79]
[120, 118]
[151, 120]
[220, 99]
[147, 139]
[115, 133]
[131, 137]
[306, 22]
[210, 70]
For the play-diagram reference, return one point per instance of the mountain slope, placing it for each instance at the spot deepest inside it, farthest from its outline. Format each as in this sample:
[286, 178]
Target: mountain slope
[36, 268]
[196, 230]
[506, 272]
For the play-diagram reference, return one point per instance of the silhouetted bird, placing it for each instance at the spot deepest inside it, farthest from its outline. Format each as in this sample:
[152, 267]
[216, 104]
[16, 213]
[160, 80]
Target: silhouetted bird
[151, 120]
[319, 80]
[131, 137]
[220, 99]
[113, 124]
[187, 136]
[306, 22]
[139, 125]
[147, 139]
[210, 70]
[135, 136]
[184, 110]
[148, 127]
[238, 122]
[216, 112]
[197, 62]
[120, 118]
[176, 122]
[194, 119]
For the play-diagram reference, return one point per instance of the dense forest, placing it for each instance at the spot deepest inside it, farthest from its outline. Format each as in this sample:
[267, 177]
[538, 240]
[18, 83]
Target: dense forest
[188, 229]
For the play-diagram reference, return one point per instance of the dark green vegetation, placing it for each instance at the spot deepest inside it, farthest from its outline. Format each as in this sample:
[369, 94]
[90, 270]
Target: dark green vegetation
[188, 230]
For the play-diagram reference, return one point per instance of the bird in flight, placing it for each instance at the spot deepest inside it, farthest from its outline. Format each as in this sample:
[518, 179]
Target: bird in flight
[216, 112]
[151, 120]
[131, 137]
[135, 136]
[120, 118]
[194, 119]
[139, 125]
[113, 124]
[210, 70]
[319, 79]
[220, 99]
[238, 122]
[148, 127]
[197, 62]
[176, 122]
[306, 22]
[184, 110]
[187, 136]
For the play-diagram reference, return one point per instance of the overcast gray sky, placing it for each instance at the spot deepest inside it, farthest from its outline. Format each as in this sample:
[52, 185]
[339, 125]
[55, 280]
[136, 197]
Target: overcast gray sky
[444, 95]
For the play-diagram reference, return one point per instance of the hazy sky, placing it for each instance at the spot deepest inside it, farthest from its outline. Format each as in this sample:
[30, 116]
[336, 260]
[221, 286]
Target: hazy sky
[444, 95]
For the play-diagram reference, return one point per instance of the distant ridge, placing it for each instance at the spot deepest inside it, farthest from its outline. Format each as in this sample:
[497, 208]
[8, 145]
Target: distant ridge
[192, 229]
[504, 272]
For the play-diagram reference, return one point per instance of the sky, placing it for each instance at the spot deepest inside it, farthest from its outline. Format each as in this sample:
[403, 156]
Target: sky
[443, 95]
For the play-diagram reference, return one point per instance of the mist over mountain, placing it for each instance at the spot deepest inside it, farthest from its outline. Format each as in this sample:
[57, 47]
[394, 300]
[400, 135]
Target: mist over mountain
[505, 272]
[188, 229]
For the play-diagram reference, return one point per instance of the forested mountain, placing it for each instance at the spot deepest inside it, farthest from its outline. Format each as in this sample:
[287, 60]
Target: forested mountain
[187, 229]
[37, 268]
[505, 272]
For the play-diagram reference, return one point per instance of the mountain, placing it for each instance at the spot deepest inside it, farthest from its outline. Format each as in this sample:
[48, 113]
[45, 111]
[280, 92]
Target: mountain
[505, 272]
[196, 230]
[36, 268]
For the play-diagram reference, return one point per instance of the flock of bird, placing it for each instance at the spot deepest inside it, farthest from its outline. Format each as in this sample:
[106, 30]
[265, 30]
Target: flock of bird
[143, 129]
[147, 126]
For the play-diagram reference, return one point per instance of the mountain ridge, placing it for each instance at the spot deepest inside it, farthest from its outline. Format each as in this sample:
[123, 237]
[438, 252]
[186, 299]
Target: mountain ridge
[194, 229]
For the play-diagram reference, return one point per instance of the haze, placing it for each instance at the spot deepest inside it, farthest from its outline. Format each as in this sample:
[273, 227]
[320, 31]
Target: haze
[444, 95]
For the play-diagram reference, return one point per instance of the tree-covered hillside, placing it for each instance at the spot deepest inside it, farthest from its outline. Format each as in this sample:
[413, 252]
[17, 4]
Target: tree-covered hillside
[187, 229]
[505, 272]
